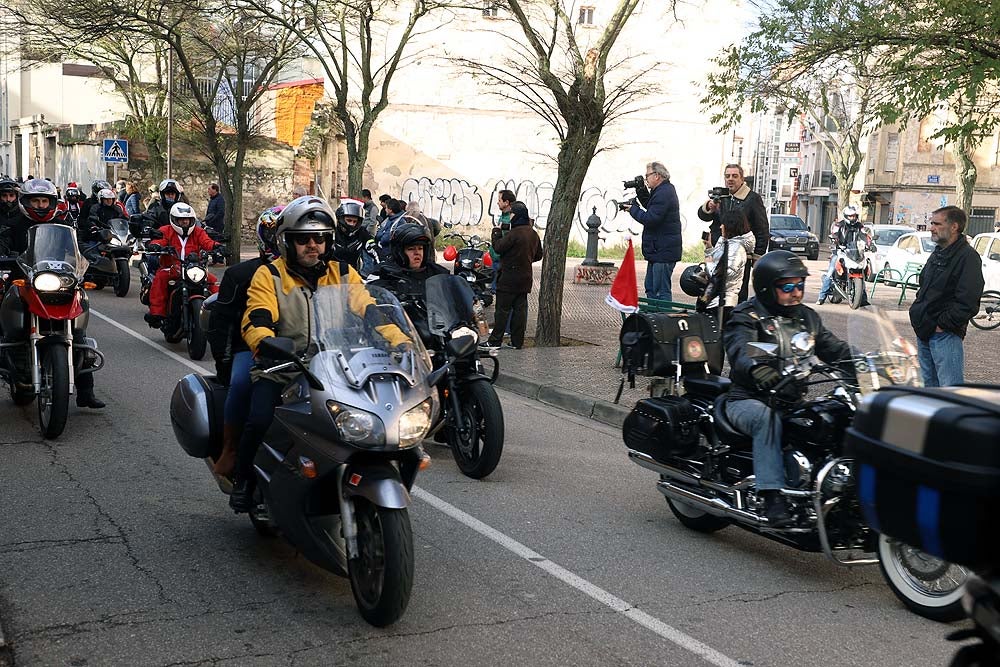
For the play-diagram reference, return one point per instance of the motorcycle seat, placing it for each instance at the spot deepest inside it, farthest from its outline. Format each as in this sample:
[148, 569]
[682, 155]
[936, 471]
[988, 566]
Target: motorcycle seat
[728, 434]
[710, 386]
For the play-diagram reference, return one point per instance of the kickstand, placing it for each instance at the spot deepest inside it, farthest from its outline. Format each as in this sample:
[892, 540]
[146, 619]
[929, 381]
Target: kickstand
[621, 388]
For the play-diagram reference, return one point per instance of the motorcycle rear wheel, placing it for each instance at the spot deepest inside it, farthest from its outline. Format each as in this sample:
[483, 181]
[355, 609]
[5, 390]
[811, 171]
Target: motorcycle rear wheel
[479, 454]
[693, 518]
[927, 585]
[382, 574]
[53, 399]
[196, 336]
[124, 278]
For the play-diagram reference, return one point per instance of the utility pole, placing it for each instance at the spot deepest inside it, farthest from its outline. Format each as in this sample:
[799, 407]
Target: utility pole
[170, 110]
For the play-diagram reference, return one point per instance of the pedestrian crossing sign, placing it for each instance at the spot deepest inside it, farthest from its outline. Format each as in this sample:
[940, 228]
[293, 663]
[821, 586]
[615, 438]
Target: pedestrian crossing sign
[115, 151]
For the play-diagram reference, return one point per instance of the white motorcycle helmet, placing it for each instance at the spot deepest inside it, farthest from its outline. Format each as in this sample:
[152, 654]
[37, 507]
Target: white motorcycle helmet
[851, 214]
[182, 213]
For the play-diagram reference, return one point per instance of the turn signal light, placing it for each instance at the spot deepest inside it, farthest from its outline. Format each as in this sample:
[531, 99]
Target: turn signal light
[425, 461]
[307, 467]
[89, 285]
[19, 282]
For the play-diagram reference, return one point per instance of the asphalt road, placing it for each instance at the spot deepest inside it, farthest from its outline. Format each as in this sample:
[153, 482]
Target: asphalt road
[117, 549]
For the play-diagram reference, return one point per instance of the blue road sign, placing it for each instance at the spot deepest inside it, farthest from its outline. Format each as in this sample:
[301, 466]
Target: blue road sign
[115, 151]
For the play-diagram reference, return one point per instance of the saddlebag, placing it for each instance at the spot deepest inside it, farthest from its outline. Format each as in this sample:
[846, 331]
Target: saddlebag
[196, 413]
[928, 469]
[653, 343]
[662, 427]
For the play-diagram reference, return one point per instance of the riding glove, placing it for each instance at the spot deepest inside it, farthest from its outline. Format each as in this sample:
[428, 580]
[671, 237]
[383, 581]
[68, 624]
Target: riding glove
[765, 377]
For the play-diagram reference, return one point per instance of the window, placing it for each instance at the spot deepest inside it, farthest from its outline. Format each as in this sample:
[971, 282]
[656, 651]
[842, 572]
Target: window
[981, 220]
[491, 10]
[981, 244]
[586, 16]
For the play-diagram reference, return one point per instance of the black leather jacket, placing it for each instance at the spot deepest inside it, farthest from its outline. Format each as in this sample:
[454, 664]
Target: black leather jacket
[408, 286]
[224, 335]
[951, 286]
[752, 322]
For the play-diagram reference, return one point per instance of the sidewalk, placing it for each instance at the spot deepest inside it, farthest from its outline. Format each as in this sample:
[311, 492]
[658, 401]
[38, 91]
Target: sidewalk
[582, 378]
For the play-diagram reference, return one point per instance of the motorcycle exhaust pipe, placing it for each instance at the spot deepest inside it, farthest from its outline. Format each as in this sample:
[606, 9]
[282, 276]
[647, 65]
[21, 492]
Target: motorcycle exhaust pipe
[714, 506]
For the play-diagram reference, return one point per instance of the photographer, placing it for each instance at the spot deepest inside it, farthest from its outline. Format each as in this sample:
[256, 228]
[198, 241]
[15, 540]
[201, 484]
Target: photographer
[661, 231]
[739, 196]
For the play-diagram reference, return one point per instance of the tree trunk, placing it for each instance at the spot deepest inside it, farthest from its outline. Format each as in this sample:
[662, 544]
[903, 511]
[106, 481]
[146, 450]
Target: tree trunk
[575, 156]
[356, 162]
[965, 171]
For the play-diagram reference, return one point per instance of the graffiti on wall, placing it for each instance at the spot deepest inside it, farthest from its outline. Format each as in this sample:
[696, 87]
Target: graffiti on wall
[450, 200]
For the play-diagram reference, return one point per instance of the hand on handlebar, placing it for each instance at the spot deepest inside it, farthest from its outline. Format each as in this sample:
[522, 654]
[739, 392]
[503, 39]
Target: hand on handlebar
[765, 378]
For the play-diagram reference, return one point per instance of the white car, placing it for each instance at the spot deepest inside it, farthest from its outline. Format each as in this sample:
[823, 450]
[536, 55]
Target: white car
[988, 247]
[884, 236]
[913, 248]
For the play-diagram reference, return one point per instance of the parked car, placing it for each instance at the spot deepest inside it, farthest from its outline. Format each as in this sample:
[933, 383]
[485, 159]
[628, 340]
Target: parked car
[789, 232]
[884, 237]
[912, 248]
[988, 247]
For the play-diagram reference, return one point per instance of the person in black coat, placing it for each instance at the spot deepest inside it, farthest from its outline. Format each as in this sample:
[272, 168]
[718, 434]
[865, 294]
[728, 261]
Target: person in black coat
[743, 198]
[951, 285]
[662, 244]
[519, 248]
[215, 216]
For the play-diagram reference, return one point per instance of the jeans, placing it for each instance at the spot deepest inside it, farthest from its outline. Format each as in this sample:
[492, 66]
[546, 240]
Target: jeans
[265, 396]
[942, 360]
[658, 276]
[750, 416]
[824, 290]
[238, 397]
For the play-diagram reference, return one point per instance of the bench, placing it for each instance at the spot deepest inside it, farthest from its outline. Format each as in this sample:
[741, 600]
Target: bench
[908, 278]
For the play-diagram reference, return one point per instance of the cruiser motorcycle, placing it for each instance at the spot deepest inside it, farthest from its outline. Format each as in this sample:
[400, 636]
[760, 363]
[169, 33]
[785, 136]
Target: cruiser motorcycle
[39, 316]
[187, 290]
[705, 464]
[115, 248]
[335, 470]
[473, 264]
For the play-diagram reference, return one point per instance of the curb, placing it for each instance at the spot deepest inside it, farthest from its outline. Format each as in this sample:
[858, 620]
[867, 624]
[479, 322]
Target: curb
[563, 399]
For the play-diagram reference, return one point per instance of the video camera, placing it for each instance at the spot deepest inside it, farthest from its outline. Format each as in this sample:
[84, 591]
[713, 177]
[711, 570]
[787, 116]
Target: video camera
[641, 193]
[715, 194]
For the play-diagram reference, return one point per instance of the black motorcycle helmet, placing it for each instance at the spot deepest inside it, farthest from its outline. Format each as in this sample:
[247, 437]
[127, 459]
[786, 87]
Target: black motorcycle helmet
[769, 269]
[97, 186]
[8, 185]
[409, 232]
[349, 209]
[694, 280]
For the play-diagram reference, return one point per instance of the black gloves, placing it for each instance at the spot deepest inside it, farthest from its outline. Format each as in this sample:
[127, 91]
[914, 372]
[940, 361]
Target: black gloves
[765, 377]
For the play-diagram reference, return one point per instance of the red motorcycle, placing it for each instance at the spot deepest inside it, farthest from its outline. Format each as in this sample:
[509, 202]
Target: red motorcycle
[42, 318]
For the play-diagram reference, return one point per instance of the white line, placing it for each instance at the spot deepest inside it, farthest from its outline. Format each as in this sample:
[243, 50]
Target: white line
[173, 355]
[668, 632]
[624, 608]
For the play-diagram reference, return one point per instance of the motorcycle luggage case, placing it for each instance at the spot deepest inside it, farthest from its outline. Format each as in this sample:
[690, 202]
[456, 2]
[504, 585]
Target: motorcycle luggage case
[649, 341]
[196, 413]
[928, 469]
[662, 427]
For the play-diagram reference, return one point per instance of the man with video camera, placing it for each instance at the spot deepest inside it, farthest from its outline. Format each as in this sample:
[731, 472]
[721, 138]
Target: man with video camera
[737, 195]
[660, 218]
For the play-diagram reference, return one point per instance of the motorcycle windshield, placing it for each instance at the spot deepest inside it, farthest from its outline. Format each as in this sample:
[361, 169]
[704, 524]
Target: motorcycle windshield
[53, 247]
[119, 227]
[449, 303]
[362, 332]
[883, 357]
[856, 244]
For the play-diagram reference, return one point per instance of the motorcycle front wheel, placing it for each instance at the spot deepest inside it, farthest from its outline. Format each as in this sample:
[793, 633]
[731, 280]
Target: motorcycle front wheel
[477, 453]
[196, 336]
[856, 291]
[124, 277]
[382, 574]
[927, 585]
[53, 398]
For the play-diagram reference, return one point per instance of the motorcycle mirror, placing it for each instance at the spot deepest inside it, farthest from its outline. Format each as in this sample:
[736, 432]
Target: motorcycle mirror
[757, 350]
[277, 347]
[435, 377]
[104, 235]
[461, 346]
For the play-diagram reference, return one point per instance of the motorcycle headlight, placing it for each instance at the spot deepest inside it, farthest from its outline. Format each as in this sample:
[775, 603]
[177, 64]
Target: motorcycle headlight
[195, 274]
[413, 425]
[464, 331]
[114, 240]
[467, 263]
[357, 426]
[47, 282]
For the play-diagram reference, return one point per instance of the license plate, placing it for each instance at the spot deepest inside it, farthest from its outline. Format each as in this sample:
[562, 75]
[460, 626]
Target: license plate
[798, 248]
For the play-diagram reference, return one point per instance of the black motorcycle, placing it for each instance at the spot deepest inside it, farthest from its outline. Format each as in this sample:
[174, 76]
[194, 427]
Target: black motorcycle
[335, 470]
[110, 258]
[706, 465]
[473, 264]
[187, 290]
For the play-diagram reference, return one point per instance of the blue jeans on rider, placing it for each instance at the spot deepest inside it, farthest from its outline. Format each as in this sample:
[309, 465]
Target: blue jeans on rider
[265, 396]
[824, 290]
[752, 417]
[658, 277]
[238, 398]
[942, 360]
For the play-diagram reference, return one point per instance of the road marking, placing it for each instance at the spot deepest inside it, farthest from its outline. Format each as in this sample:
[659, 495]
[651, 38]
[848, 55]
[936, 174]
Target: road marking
[135, 334]
[604, 597]
[597, 593]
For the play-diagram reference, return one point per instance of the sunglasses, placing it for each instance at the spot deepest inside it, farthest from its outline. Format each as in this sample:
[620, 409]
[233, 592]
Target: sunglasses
[788, 288]
[304, 239]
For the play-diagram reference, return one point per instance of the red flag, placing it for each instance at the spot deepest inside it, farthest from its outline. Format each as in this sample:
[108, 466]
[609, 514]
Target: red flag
[624, 294]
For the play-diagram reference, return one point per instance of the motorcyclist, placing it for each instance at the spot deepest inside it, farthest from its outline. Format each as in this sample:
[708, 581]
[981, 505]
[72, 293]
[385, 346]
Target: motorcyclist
[408, 267]
[279, 300]
[185, 236]
[12, 223]
[233, 359]
[38, 202]
[774, 314]
[842, 233]
[350, 237]
[93, 199]
[170, 194]
[73, 197]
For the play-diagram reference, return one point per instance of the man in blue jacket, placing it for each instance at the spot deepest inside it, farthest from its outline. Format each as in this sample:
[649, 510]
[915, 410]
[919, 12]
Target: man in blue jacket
[661, 231]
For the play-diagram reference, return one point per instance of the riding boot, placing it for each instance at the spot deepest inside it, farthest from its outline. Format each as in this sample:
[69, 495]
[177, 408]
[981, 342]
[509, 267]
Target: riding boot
[776, 509]
[244, 480]
[85, 397]
[226, 461]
